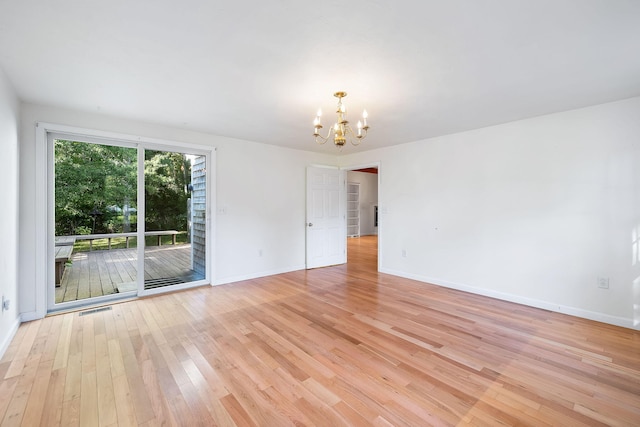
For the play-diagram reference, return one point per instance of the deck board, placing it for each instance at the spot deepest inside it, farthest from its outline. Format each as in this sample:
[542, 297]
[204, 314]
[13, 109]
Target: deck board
[99, 273]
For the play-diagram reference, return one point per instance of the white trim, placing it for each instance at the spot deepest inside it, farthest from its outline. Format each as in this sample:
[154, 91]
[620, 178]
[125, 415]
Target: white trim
[91, 140]
[260, 274]
[50, 240]
[141, 225]
[316, 165]
[121, 137]
[82, 304]
[545, 305]
[211, 219]
[41, 221]
[9, 337]
[362, 166]
[29, 316]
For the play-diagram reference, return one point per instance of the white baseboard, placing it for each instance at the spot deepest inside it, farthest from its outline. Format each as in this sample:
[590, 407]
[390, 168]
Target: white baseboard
[7, 339]
[257, 275]
[546, 305]
[29, 316]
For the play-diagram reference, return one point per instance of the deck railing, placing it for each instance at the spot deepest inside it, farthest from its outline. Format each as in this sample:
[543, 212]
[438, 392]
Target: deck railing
[109, 236]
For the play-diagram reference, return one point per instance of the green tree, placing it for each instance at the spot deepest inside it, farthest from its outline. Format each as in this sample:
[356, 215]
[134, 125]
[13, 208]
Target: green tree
[93, 183]
[167, 178]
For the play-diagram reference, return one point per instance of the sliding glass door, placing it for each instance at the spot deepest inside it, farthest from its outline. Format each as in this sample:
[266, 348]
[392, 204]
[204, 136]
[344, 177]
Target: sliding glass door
[107, 238]
[95, 195]
[175, 188]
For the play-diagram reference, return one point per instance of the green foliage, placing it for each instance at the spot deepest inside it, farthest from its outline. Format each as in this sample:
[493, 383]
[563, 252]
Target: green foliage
[81, 229]
[92, 178]
[95, 183]
[167, 176]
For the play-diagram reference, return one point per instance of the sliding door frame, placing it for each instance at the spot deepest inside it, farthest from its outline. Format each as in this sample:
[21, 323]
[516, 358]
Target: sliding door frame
[142, 213]
[45, 216]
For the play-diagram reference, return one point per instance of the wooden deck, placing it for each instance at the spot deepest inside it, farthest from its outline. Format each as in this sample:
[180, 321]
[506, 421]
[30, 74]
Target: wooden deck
[106, 272]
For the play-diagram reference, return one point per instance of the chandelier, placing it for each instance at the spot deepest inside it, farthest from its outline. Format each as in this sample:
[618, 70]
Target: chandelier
[341, 130]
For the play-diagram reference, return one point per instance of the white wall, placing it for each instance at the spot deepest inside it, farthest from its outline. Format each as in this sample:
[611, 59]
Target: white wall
[260, 192]
[261, 209]
[368, 199]
[532, 211]
[9, 124]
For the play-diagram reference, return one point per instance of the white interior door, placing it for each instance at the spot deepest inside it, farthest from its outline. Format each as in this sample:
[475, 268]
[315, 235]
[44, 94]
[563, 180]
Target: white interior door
[326, 243]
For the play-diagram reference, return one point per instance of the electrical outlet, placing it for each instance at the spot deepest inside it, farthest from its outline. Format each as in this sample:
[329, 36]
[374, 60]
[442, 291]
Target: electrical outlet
[603, 282]
[404, 253]
[259, 252]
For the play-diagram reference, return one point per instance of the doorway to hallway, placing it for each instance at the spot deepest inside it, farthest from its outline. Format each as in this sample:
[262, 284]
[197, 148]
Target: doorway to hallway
[362, 211]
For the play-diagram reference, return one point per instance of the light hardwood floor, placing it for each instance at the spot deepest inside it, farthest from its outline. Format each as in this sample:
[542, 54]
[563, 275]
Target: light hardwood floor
[335, 346]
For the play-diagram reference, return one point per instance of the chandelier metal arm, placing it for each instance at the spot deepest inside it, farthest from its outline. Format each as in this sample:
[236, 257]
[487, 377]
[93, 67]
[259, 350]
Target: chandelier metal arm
[348, 134]
[322, 138]
[353, 138]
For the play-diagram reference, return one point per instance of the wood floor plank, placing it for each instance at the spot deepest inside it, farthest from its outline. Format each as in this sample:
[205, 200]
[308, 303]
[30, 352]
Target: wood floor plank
[17, 406]
[7, 389]
[107, 413]
[343, 345]
[89, 399]
[52, 410]
[23, 351]
[38, 393]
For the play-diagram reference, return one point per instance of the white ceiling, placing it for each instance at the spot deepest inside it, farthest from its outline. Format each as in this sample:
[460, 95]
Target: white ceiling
[259, 70]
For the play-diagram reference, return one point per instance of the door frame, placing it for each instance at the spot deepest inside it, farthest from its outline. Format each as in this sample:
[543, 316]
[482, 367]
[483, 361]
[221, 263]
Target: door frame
[377, 165]
[210, 208]
[44, 215]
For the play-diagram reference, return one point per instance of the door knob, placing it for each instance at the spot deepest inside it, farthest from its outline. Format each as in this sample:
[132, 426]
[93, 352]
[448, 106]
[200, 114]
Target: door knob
[310, 224]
